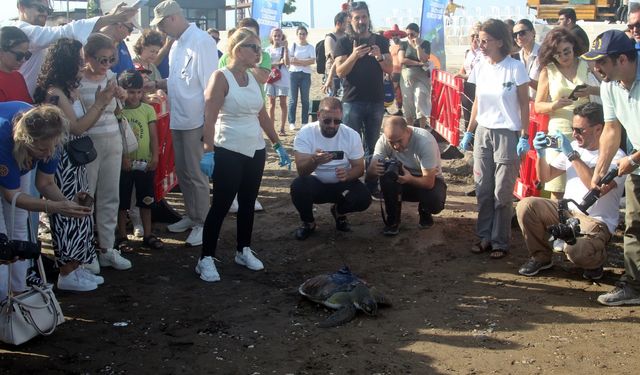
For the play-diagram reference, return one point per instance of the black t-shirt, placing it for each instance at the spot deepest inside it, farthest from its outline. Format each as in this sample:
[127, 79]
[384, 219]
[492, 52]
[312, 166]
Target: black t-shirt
[364, 82]
[411, 53]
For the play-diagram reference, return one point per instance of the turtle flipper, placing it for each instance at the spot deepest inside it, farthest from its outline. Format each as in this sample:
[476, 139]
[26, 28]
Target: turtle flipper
[343, 315]
[380, 298]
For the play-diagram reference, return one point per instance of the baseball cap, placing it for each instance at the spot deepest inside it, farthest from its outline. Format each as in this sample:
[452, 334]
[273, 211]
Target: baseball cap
[609, 43]
[131, 79]
[165, 9]
[139, 67]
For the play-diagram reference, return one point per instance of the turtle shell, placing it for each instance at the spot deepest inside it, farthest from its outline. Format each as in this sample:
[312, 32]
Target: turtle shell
[320, 288]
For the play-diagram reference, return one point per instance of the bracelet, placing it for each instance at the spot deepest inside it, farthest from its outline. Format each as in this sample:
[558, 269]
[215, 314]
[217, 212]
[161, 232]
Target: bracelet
[573, 155]
[632, 162]
[276, 146]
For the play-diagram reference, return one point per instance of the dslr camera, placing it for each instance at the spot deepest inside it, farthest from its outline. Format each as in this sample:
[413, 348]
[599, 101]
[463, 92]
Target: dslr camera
[11, 249]
[393, 167]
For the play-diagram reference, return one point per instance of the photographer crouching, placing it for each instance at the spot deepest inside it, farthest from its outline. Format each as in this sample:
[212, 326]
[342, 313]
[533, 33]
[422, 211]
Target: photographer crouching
[407, 161]
[538, 216]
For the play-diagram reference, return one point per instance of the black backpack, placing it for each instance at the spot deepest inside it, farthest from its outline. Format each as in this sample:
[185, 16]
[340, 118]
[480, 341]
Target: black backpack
[321, 57]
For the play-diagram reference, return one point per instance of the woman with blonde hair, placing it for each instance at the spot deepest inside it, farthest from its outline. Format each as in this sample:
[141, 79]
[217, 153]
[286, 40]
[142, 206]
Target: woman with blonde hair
[235, 118]
[30, 138]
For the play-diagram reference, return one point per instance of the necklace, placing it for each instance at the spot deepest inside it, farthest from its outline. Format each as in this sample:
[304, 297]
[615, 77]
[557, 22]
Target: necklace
[240, 75]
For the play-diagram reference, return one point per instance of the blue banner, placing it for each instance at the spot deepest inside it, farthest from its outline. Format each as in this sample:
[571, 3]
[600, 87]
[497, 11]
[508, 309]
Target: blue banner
[432, 30]
[268, 13]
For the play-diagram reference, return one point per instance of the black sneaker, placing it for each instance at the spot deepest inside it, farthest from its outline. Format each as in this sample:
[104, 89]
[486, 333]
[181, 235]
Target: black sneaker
[391, 230]
[593, 274]
[305, 230]
[377, 196]
[532, 267]
[426, 220]
[341, 221]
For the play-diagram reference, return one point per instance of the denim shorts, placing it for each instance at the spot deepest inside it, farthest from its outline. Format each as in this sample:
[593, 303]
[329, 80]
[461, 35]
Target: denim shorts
[273, 90]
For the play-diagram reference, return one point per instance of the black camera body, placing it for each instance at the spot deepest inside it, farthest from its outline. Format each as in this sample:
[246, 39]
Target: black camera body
[393, 167]
[568, 229]
[10, 249]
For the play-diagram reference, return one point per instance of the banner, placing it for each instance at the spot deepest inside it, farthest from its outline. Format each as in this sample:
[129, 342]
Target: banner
[432, 30]
[268, 13]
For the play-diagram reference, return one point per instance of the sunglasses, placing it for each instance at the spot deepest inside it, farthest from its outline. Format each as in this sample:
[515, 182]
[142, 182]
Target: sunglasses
[563, 53]
[20, 56]
[579, 131]
[520, 33]
[129, 28]
[106, 60]
[335, 121]
[634, 26]
[41, 8]
[256, 48]
[412, 35]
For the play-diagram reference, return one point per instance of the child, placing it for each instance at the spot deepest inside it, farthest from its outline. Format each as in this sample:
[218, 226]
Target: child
[138, 167]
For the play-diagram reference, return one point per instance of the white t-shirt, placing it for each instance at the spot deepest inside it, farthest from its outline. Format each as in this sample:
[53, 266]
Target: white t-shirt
[422, 152]
[497, 93]
[276, 55]
[606, 208]
[301, 52]
[532, 66]
[309, 139]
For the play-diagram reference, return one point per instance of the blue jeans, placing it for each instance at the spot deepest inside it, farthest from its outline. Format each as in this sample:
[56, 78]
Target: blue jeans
[366, 119]
[301, 81]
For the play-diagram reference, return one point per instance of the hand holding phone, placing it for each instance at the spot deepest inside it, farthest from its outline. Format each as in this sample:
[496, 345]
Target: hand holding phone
[336, 155]
[573, 96]
[83, 198]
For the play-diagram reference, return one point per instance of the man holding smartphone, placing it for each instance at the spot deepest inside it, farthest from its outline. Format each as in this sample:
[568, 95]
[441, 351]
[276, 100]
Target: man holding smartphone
[330, 160]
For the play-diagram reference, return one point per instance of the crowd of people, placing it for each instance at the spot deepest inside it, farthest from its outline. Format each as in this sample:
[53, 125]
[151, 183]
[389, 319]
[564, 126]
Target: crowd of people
[75, 107]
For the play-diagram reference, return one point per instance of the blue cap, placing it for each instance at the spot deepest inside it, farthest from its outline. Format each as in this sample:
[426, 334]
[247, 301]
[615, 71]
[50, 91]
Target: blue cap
[610, 42]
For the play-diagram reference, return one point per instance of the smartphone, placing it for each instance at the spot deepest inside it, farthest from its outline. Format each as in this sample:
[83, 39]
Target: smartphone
[573, 96]
[336, 155]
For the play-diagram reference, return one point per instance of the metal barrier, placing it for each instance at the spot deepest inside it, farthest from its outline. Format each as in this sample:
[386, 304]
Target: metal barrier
[446, 92]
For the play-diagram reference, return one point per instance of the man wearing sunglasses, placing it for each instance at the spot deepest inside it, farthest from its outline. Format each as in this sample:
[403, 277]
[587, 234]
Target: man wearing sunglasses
[577, 161]
[617, 62]
[119, 32]
[330, 161]
[633, 21]
[407, 162]
[32, 18]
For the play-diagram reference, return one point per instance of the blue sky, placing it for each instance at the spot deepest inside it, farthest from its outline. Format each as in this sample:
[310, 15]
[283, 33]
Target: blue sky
[324, 10]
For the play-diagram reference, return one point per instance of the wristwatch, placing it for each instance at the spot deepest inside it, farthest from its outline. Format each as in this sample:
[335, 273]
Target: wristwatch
[632, 162]
[573, 155]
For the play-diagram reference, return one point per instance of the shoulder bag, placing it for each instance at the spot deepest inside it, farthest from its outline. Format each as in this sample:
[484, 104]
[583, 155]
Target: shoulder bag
[81, 150]
[275, 75]
[30, 313]
[129, 140]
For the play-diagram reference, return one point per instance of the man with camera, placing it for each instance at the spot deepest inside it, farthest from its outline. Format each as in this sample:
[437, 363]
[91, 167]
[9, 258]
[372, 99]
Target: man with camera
[330, 160]
[586, 237]
[407, 161]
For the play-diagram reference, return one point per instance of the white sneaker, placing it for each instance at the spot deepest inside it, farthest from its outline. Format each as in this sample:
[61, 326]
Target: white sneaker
[75, 282]
[195, 237]
[558, 245]
[292, 126]
[84, 273]
[207, 270]
[93, 267]
[249, 260]
[184, 224]
[112, 258]
[257, 206]
[234, 206]
[138, 231]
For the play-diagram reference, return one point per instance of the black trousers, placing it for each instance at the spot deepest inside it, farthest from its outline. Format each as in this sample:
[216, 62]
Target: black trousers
[431, 200]
[351, 196]
[233, 174]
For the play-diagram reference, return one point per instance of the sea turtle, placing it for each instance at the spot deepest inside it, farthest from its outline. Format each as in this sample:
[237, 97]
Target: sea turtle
[345, 292]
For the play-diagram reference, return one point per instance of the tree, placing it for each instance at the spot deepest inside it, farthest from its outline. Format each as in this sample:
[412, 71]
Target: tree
[93, 8]
[289, 7]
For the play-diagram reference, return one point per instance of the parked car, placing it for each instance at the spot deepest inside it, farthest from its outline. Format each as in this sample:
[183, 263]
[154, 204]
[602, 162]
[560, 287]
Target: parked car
[292, 24]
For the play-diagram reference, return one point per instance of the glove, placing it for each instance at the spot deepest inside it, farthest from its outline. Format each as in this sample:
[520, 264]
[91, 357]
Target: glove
[564, 144]
[282, 155]
[523, 146]
[465, 144]
[540, 142]
[207, 163]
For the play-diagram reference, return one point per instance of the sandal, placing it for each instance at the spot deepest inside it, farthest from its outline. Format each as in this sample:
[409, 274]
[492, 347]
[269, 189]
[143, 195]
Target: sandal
[498, 253]
[152, 242]
[123, 245]
[481, 247]
[282, 133]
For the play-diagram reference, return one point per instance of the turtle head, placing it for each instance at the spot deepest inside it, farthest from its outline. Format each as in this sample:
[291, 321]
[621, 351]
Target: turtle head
[364, 300]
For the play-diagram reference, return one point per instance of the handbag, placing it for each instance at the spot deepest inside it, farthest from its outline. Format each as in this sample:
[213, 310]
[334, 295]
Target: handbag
[275, 75]
[81, 151]
[30, 313]
[129, 140]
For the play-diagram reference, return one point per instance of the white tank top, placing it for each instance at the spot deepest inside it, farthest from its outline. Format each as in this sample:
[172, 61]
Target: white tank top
[107, 123]
[238, 128]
